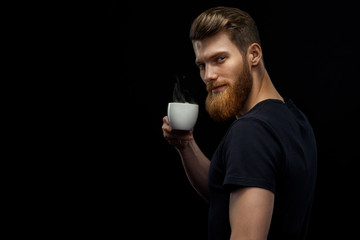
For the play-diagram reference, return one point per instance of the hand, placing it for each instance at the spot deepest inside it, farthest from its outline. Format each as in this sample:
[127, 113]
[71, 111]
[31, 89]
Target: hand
[177, 138]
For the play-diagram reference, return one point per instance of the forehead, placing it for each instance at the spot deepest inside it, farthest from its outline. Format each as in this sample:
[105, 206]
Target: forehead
[219, 42]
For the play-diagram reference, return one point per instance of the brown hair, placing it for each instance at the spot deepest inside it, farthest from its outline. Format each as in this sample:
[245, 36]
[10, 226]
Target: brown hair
[240, 25]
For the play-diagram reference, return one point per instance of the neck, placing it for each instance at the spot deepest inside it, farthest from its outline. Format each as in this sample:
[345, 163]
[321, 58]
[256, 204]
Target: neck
[262, 89]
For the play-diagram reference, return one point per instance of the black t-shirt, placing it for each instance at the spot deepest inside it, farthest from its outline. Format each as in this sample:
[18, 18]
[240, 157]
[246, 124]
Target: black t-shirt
[272, 147]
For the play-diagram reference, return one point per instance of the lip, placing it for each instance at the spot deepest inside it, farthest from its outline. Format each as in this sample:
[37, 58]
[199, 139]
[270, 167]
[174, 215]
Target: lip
[219, 88]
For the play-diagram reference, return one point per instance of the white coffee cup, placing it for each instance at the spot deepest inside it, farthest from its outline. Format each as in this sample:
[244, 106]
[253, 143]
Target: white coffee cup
[182, 116]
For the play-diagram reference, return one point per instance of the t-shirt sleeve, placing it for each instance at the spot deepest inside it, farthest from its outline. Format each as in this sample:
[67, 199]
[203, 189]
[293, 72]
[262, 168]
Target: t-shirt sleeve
[252, 155]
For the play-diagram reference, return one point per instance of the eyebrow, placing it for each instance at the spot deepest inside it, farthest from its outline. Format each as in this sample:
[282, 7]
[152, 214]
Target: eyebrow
[212, 56]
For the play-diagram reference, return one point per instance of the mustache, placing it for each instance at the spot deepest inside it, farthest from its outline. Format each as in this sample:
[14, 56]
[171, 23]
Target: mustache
[211, 85]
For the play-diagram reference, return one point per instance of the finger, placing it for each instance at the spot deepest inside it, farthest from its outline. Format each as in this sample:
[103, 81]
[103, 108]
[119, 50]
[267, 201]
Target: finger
[166, 128]
[165, 123]
[166, 120]
[169, 132]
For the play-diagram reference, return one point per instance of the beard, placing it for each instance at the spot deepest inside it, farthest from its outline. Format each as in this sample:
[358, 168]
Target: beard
[227, 104]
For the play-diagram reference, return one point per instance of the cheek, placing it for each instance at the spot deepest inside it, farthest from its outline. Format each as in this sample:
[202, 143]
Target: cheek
[232, 74]
[232, 69]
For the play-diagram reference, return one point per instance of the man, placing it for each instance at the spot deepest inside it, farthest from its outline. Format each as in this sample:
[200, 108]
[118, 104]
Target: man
[260, 181]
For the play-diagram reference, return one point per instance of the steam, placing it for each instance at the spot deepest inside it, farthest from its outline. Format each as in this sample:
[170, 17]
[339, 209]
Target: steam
[180, 94]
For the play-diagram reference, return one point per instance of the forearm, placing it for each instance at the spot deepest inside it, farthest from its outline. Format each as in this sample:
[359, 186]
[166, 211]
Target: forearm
[196, 166]
[195, 163]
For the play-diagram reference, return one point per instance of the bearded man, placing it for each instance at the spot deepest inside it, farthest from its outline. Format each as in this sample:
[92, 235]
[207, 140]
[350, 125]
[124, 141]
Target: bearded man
[260, 182]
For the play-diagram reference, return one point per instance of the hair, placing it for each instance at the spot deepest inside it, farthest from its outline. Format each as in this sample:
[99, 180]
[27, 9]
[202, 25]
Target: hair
[240, 26]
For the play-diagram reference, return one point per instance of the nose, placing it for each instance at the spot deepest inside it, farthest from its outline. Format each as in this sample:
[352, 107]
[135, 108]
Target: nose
[210, 74]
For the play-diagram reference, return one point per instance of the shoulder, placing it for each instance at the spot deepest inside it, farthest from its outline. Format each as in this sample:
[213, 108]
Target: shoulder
[268, 116]
[250, 125]
[250, 131]
[260, 124]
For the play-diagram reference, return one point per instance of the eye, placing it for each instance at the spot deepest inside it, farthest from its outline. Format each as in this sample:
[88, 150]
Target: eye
[201, 66]
[221, 58]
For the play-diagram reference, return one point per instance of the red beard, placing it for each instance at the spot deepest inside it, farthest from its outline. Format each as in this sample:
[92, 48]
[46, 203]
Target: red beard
[227, 104]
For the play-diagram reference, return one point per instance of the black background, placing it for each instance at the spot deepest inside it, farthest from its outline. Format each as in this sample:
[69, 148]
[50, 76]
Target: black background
[311, 53]
[87, 87]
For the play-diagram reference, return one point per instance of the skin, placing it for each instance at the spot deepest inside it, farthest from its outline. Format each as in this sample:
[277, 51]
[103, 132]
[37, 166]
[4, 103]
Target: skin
[220, 61]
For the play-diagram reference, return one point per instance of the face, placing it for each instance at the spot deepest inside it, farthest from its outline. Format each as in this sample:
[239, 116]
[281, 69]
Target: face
[226, 75]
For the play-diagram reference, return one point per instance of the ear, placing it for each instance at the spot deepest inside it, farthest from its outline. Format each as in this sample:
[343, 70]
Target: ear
[254, 54]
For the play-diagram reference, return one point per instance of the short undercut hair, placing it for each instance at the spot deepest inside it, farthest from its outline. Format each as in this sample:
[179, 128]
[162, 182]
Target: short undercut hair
[240, 26]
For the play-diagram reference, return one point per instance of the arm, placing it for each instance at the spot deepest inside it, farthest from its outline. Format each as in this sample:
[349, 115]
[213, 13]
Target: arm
[195, 163]
[250, 213]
